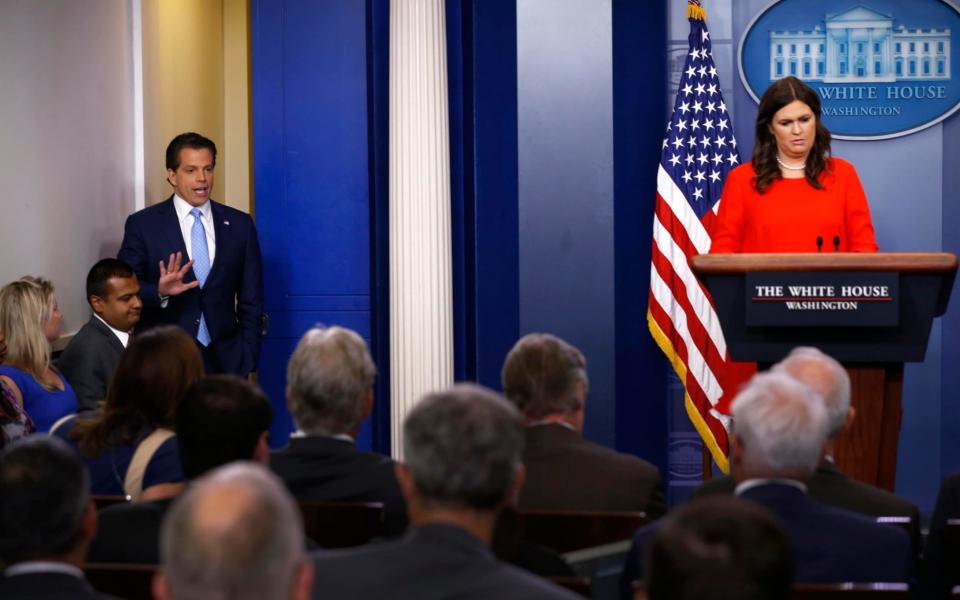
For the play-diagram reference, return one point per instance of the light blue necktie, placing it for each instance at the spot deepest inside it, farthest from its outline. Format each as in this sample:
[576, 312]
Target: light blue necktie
[201, 266]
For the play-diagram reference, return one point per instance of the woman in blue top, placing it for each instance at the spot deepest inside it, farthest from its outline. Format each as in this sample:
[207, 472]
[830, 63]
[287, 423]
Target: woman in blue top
[151, 379]
[30, 320]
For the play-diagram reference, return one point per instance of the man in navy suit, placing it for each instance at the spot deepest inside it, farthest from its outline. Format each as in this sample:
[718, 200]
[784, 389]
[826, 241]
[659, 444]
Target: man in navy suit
[780, 430]
[217, 294]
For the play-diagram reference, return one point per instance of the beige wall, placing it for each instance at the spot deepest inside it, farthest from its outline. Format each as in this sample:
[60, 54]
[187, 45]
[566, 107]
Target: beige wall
[196, 74]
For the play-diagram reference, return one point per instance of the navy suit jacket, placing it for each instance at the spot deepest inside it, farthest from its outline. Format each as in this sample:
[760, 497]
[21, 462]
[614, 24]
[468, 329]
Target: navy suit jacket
[232, 297]
[88, 362]
[49, 585]
[938, 576]
[829, 544]
[431, 562]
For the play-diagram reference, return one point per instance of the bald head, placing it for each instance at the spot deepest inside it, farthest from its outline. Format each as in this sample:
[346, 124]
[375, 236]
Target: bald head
[826, 377]
[235, 533]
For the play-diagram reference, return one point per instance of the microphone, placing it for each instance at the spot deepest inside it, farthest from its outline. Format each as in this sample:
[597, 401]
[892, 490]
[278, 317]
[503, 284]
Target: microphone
[819, 243]
[836, 243]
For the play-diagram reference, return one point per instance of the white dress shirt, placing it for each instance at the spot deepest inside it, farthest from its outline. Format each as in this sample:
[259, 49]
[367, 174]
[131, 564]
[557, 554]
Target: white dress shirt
[186, 225]
[123, 336]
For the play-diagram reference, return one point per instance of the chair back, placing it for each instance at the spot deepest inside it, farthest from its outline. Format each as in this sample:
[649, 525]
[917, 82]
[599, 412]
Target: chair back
[132, 582]
[566, 531]
[850, 591]
[103, 501]
[343, 524]
[577, 585]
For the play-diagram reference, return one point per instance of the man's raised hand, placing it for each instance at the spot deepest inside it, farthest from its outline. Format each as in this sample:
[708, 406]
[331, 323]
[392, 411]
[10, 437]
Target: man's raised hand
[171, 277]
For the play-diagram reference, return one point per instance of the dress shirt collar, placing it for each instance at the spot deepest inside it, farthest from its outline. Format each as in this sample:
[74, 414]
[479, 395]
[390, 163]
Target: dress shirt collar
[552, 422]
[123, 336]
[42, 566]
[752, 483]
[183, 209]
[343, 437]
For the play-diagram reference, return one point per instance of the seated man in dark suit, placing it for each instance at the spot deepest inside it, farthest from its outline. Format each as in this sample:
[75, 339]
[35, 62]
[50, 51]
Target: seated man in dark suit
[719, 548]
[330, 393]
[779, 431]
[221, 419]
[237, 534]
[829, 485]
[91, 357]
[46, 521]
[546, 378]
[462, 451]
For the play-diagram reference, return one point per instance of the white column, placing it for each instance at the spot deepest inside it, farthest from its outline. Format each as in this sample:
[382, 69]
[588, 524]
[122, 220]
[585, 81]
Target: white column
[421, 319]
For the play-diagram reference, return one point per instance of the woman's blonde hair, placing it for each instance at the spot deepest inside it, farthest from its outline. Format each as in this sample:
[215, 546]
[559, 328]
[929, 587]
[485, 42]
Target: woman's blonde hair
[25, 307]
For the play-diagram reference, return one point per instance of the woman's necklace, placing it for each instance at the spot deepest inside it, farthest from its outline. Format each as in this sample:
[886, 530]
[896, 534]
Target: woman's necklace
[799, 167]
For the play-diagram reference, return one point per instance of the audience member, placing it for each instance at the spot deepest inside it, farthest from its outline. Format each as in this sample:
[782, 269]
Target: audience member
[130, 446]
[546, 378]
[938, 576]
[30, 320]
[829, 485]
[780, 428]
[719, 548]
[221, 419]
[15, 423]
[235, 534]
[91, 357]
[330, 393]
[462, 464]
[46, 521]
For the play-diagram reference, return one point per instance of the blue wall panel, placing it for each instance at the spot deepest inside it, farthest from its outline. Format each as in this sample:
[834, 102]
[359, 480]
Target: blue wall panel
[312, 176]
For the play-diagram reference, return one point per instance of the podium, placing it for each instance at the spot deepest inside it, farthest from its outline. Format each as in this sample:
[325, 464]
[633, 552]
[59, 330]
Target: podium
[768, 304]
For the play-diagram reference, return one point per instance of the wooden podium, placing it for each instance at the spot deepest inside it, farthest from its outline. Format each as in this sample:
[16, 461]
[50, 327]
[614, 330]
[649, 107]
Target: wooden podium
[873, 354]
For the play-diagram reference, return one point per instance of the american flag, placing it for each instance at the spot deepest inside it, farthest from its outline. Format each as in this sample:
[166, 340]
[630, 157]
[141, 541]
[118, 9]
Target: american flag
[699, 150]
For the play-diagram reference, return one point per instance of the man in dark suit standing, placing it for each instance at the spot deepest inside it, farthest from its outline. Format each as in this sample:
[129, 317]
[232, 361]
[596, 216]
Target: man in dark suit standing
[780, 427]
[46, 521]
[546, 379]
[91, 357]
[462, 450]
[330, 394]
[827, 377]
[216, 295]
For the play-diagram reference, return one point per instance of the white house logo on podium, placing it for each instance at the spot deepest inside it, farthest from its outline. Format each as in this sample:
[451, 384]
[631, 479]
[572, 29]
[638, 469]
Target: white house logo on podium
[882, 68]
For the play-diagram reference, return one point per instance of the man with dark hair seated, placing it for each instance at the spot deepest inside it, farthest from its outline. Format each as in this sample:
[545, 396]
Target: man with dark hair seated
[780, 428]
[46, 521]
[330, 394]
[719, 548]
[91, 357]
[462, 464]
[546, 379]
[221, 419]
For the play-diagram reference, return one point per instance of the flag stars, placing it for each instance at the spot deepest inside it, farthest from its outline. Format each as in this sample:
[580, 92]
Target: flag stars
[714, 176]
[722, 124]
[698, 194]
[717, 159]
[686, 176]
[700, 89]
[675, 160]
[681, 125]
[697, 106]
[713, 71]
[723, 107]
[687, 90]
[688, 160]
[705, 141]
[712, 89]
[708, 124]
[695, 125]
[678, 143]
[732, 159]
[684, 107]
[691, 71]
[711, 107]
[704, 35]
[702, 71]
[703, 159]
[692, 142]
[700, 176]
[720, 142]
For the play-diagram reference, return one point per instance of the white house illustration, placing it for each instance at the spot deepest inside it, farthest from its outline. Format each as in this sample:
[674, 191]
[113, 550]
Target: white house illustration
[860, 45]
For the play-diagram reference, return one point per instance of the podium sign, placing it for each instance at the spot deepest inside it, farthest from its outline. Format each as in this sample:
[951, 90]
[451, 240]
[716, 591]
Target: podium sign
[822, 299]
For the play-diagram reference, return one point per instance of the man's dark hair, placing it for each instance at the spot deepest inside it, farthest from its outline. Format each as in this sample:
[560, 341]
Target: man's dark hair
[188, 140]
[220, 420]
[719, 548]
[44, 491]
[104, 270]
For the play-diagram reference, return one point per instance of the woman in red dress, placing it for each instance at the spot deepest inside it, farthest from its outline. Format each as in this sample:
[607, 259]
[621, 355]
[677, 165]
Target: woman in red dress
[792, 196]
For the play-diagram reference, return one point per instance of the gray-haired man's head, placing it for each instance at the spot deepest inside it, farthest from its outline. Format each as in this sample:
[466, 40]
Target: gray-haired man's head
[780, 427]
[330, 381]
[825, 376]
[463, 447]
[234, 534]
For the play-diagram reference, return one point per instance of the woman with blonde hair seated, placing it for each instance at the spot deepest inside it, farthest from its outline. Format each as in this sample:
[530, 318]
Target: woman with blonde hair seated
[30, 320]
[129, 444]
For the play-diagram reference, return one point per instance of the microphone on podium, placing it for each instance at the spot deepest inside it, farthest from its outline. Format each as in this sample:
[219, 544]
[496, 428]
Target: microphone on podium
[819, 243]
[836, 243]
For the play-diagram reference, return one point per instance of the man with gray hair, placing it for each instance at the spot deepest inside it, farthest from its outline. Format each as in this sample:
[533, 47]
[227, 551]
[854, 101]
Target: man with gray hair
[827, 377]
[546, 378]
[235, 534]
[780, 428]
[330, 394]
[462, 465]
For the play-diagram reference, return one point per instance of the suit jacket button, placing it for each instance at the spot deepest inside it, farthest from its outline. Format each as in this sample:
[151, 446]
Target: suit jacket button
[197, 322]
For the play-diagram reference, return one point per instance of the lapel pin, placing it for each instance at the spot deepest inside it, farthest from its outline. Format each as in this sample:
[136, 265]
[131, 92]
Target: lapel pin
[226, 222]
